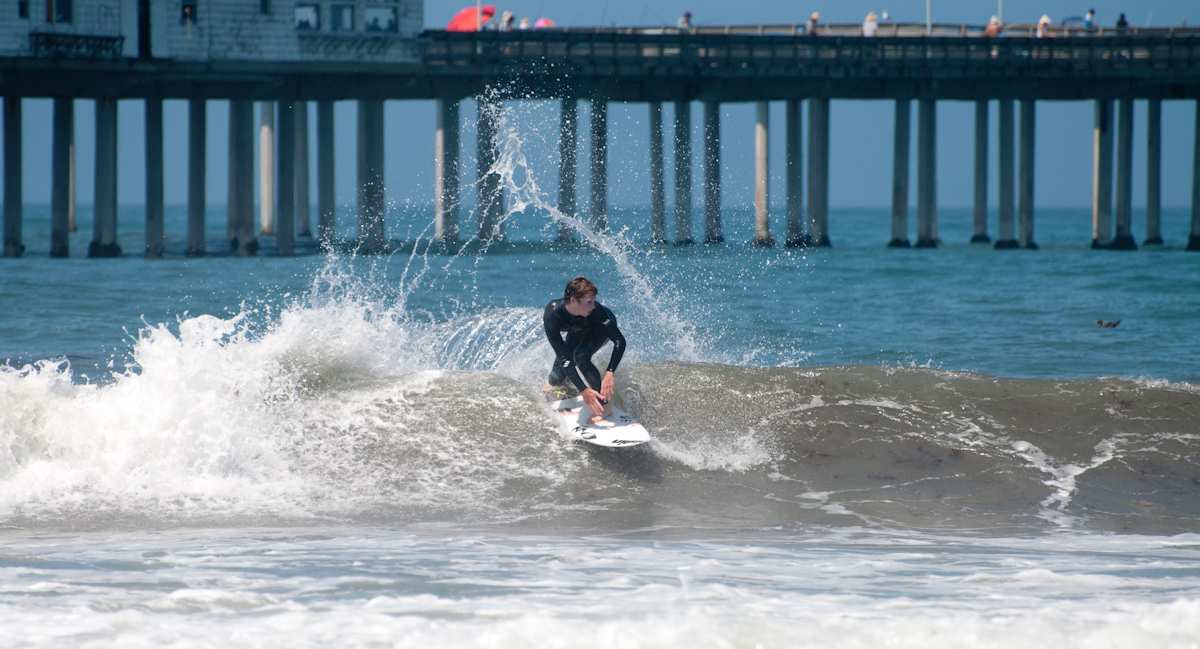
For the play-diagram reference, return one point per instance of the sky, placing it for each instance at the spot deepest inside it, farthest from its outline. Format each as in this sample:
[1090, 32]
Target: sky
[861, 131]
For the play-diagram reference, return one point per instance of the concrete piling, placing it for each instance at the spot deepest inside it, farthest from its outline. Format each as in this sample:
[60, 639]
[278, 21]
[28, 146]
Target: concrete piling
[818, 170]
[712, 173]
[900, 144]
[568, 153]
[658, 199]
[1123, 239]
[683, 173]
[979, 211]
[104, 231]
[1028, 142]
[762, 177]
[197, 175]
[13, 245]
[266, 167]
[1005, 233]
[599, 160]
[794, 173]
[60, 177]
[241, 178]
[155, 225]
[326, 175]
[371, 232]
[303, 218]
[1102, 140]
[927, 235]
[490, 198]
[445, 171]
[1153, 172]
[285, 223]
[1194, 233]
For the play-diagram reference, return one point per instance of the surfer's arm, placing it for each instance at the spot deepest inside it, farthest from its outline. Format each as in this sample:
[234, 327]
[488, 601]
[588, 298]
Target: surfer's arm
[618, 341]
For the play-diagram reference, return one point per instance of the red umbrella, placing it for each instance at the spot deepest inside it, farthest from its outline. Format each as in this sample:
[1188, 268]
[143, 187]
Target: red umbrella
[470, 18]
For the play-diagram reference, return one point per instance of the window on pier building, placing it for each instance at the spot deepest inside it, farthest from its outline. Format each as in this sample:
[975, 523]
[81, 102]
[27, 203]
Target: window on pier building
[59, 11]
[187, 15]
[307, 17]
[22, 8]
[341, 18]
[380, 19]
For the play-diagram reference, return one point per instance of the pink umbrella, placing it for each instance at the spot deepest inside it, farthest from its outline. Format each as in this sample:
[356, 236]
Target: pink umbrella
[543, 22]
[470, 18]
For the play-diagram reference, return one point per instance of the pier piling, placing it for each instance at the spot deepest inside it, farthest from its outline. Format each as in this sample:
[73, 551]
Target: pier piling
[490, 197]
[794, 173]
[712, 173]
[326, 175]
[900, 142]
[445, 171]
[762, 176]
[104, 231]
[1028, 142]
[658, 199]
[1123, 239]
[303, 218]
[13, 246]
[1102, 228]
[927, 234]
[285, 222]
[241, 178]
[818, 171]
[371, 233]
[568, 153]
[155, 225]
[599, 160]
[1153, 173]
[1194, 233]
[683, 173]
[266, 167]
[59, 177]
[1005, 231]
[197, 175]
[979, 211]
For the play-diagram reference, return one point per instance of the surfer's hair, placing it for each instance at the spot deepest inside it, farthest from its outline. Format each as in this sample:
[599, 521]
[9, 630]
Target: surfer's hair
[579, 288]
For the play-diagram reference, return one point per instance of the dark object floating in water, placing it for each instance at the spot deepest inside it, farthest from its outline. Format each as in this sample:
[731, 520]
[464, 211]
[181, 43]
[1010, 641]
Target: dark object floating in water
[1108, 325]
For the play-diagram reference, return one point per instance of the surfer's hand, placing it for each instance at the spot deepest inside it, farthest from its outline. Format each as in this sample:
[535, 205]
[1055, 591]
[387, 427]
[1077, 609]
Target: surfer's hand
[607, 386]
[591, 399]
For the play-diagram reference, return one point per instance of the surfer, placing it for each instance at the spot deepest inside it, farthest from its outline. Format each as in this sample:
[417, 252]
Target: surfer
[587, 325]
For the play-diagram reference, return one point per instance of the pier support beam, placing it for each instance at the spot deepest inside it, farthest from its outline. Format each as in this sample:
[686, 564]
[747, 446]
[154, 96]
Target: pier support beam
[490, 201]
[1194, 234]
[599, 160]
[104, 232]
[285, 224]
[326, 176]
[568, 153]
[1153, 173]
[818, 171]
[1102, 140]
[13, 246]
[197, 175]
[1028, 142]
[658, 199]
[266, 167]
[927, 234]
[1005, 233]
[241, 178]
[712, 173]
[303, 218]
[72, 173]
[979, 210]
[762, 176]
[1123, 240]
[793, 174]
[155, 225]
[371, 237]
[683, 173]
[60, 177]
[900, 140]
[445, 171]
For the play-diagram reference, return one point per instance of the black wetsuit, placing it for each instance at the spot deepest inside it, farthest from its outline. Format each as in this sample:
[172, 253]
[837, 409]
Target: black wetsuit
[573, 355]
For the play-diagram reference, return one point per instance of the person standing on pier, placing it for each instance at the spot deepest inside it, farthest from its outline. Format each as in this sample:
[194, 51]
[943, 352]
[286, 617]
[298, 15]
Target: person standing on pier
[588, 325]
[814, 20]
[1089, 20]
[870, 25]
[685, 22]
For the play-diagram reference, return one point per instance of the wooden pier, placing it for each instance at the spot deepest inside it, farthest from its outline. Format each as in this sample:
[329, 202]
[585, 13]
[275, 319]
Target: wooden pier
[1118, 72]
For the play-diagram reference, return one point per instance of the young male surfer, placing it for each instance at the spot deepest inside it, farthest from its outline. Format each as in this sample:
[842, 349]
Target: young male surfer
[587, 325]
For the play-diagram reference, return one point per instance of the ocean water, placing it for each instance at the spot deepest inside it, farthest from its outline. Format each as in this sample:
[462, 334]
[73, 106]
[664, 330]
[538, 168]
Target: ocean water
[854, 447]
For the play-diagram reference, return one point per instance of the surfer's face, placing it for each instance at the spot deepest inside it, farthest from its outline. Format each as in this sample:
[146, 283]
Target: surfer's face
[581, 306]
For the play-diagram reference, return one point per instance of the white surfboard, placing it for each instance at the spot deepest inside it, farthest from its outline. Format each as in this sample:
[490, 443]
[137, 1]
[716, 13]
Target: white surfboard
[618, 429]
